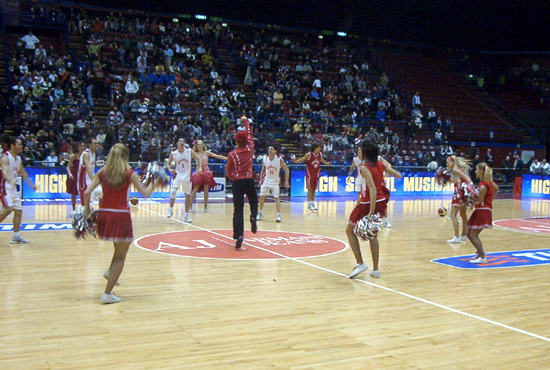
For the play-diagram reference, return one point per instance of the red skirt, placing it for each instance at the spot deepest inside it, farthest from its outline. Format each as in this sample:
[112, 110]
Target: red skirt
[115, 226]
[480, 219]
[201, 179]
[72, 186]
[362, 209]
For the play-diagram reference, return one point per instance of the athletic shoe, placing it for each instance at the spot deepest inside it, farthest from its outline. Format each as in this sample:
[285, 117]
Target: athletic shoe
[314, 207]
[187, 219]
[109, 298]
[106, 276]
[260, 216]
[278, 218]
[311, 207]
[375, 274]
[387, 223]
[18, 240]
[478, 260]
[206, 210]
[463, 238]
[253, 225]
[239, 243]
[170, 213]
[455, 239]
[358, 269]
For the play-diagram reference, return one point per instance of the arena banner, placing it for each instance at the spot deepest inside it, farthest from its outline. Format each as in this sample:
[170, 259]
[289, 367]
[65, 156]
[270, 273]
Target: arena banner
[536, 186]
[51, 183]
[335, 182]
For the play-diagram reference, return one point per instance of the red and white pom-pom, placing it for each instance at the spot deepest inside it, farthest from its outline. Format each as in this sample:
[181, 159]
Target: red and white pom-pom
[82, 225]
[368, 227]
[471, 193]
[442, 176]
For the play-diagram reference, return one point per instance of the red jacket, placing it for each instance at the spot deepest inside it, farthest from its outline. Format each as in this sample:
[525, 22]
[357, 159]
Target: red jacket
[239, 161]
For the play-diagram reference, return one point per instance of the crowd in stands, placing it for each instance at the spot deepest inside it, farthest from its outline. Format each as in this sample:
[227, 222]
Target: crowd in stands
[165, 79]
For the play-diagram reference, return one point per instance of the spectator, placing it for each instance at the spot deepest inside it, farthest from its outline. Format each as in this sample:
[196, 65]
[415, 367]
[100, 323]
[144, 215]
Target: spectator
[518, 166]
[416, 103]
[131, 88]
[545, 167]
[535, 168]
[51, 160]
[489, 158]
[438, 137]
[30, 41]
[507, 169]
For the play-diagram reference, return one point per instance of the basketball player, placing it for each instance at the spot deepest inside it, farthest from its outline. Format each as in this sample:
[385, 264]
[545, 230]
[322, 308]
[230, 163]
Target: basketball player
[240, 170]
[459, 168]
[270, 179]
[313, 171]
[10, 197]
[482, 217]
[86, 171]
[181, 176]
[374, 199]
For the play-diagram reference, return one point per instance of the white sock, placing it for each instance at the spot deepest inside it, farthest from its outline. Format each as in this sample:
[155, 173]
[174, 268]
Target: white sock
[278, 215]
[16, 234]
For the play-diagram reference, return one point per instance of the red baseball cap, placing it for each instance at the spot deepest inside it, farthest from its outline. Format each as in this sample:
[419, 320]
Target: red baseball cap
[241, 137]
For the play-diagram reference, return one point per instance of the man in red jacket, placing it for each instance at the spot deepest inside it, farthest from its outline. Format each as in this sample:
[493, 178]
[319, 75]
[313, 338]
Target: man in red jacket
[239, 169]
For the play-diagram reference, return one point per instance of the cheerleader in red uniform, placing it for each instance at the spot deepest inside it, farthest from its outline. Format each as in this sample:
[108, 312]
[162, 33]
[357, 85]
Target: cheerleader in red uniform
[374, 199]
[459, 168]
[72, 171]
[482, 217]
[114, 222]
[203, 181]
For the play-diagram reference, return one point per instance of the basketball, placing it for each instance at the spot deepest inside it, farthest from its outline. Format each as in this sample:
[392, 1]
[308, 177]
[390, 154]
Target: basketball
[134, 201]
[442, 211]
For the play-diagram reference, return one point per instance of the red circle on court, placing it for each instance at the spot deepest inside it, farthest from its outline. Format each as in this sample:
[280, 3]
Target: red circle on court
[220, 244]
[534, 224]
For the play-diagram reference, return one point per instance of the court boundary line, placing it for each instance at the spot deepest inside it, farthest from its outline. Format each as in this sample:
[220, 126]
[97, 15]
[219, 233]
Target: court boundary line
[475, 317]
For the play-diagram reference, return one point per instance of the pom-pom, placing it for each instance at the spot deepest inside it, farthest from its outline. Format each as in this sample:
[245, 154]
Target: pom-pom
[82, 225]
[367, 228]
[471, 193]
[442, 176]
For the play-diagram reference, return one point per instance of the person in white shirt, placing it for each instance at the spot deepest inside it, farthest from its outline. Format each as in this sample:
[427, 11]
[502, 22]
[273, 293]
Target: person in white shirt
[545, 167]
[131, 87]
[30, 41]
[181, 176]
[536, 167]
[10, 195]
[270, 179]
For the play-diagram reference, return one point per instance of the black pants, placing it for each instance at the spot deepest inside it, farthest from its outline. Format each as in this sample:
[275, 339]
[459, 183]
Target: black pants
[240, 188]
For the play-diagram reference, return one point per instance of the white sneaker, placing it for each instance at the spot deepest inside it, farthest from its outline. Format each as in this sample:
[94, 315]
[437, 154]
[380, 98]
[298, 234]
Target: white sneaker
[170, 213]
[260, 216]
[387, 224]
[187, 219]
[375, 274]
[358, 269]
[463, 238]
[310, 207]
[206, 210]
[455, 239]
[478, 260]
[109, 298]
[106, 276]
[18, 240]
[278, 219]
[314, 207]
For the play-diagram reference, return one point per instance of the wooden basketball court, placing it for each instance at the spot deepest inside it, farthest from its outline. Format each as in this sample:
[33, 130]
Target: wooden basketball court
[232, 312]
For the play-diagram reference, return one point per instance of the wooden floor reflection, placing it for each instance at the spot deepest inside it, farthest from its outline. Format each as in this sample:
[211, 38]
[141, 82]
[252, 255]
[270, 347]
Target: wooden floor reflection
[284, 313]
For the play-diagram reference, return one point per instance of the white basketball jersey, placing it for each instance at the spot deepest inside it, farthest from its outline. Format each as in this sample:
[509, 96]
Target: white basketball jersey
[82, 168]
[14, 166]
[183, 164]
[272, 171]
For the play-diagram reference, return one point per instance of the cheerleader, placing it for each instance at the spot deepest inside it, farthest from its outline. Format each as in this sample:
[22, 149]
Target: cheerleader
[72, 171]
[203, 181]
[114, 222]
[459, 168]
[482, 217]
[359, 180]
[374, 199]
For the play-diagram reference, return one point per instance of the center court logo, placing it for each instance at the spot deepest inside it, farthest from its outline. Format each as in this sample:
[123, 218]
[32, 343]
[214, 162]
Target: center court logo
[220, 244]
[524, 258]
